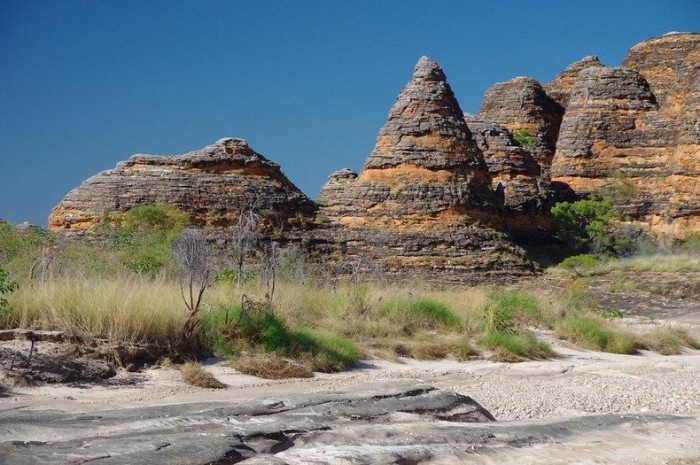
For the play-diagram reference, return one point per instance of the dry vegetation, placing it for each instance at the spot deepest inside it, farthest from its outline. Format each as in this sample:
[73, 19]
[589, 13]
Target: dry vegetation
[130, 294]
[194, 374]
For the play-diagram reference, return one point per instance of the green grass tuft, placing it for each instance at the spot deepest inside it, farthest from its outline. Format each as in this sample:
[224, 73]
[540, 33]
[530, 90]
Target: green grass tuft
[509, 347]
[594, 334]
[504, 310]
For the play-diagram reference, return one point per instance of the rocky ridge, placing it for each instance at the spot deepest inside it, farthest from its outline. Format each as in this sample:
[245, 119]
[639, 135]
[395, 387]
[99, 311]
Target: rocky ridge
[440, 189]
[212, 185]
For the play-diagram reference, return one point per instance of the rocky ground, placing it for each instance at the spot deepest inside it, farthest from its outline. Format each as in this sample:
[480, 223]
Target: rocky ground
[581, 407]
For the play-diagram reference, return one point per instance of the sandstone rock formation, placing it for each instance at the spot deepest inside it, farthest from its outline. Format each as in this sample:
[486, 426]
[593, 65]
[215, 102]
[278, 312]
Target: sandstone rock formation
[560, 88]
[423, 199]
[516, 176]
[521, 104]
[638, 124]
[212, 185]
[399, 425]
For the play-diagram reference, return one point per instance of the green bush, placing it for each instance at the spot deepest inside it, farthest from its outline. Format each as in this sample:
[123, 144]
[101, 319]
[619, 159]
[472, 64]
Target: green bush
[7, 287]
[594, 334]
[145, 240]
[525, 138]
[691, 243]
[155, 216]
[510, 347]
[580, 263]
[584, 222]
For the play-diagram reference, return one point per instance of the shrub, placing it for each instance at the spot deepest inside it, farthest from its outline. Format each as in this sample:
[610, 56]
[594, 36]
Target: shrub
[508, 347]
[525, 138]
[265, 332]
[691, 243]
[583, 222]
[594, 334]
[6, 287]
[330, 353]
[147, 235]
[155, 217]
[580, 263]
[194, 374]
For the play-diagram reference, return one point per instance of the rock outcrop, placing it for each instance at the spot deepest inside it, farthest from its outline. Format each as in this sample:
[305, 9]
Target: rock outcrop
[560, 88]
[212, 185]
[516, 176]
[523, 107]
[409, 423]
[423, 199]
[638, 125]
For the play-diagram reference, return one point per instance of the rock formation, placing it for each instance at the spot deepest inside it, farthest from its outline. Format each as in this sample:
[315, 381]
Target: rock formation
[423, 199]
[516, 177]
[212, 185]
[638, 124]
[522, 106]
[438, 187]
[560, 88]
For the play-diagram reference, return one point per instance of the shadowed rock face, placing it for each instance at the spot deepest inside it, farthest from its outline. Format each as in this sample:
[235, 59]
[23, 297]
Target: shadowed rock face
[639, 123]
[521, 104]
[212, 185]
[423, 199]
[515, 175]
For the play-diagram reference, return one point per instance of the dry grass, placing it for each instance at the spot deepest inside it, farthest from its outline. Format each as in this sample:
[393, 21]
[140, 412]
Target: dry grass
[129, 310]
[666, 340]
[270, 366]
[194, 374]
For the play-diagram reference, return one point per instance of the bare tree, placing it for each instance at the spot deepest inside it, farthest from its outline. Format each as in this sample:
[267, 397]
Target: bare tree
[192, 254]
[246, 233]
[270, 254]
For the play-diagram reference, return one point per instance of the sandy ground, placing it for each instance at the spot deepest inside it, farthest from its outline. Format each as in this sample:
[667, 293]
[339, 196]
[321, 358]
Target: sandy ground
[577, 383]
[574, 385]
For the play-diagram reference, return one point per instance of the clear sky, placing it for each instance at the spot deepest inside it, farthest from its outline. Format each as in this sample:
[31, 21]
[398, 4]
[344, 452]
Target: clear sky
[84, 84]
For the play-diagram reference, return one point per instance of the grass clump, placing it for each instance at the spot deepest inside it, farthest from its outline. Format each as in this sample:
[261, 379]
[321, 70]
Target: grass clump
[504, 310]
[270, 366]
[594, 334]
[194, 374]
[265, 332]
[506, 317]
[511, 348]
[666, 341]
[422, 314]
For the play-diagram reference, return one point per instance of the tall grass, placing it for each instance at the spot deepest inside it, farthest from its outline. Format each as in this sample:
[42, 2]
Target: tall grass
[131, 310]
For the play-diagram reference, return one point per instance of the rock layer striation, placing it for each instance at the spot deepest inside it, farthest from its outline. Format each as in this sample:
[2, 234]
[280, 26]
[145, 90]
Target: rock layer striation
[212, 185]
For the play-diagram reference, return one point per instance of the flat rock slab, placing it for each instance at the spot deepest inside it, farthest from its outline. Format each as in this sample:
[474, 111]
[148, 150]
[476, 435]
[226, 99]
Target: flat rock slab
[408, 424]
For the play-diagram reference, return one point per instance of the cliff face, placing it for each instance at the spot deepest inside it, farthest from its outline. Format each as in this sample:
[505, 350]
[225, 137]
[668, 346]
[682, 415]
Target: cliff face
[639, 123]
[423, 200]
[212, 185]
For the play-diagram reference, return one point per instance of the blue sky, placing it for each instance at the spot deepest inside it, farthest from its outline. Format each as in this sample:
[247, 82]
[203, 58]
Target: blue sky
[84, 84]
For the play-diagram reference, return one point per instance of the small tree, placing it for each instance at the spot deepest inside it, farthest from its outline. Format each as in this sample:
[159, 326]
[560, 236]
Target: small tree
[583, 223]
[192, 254]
